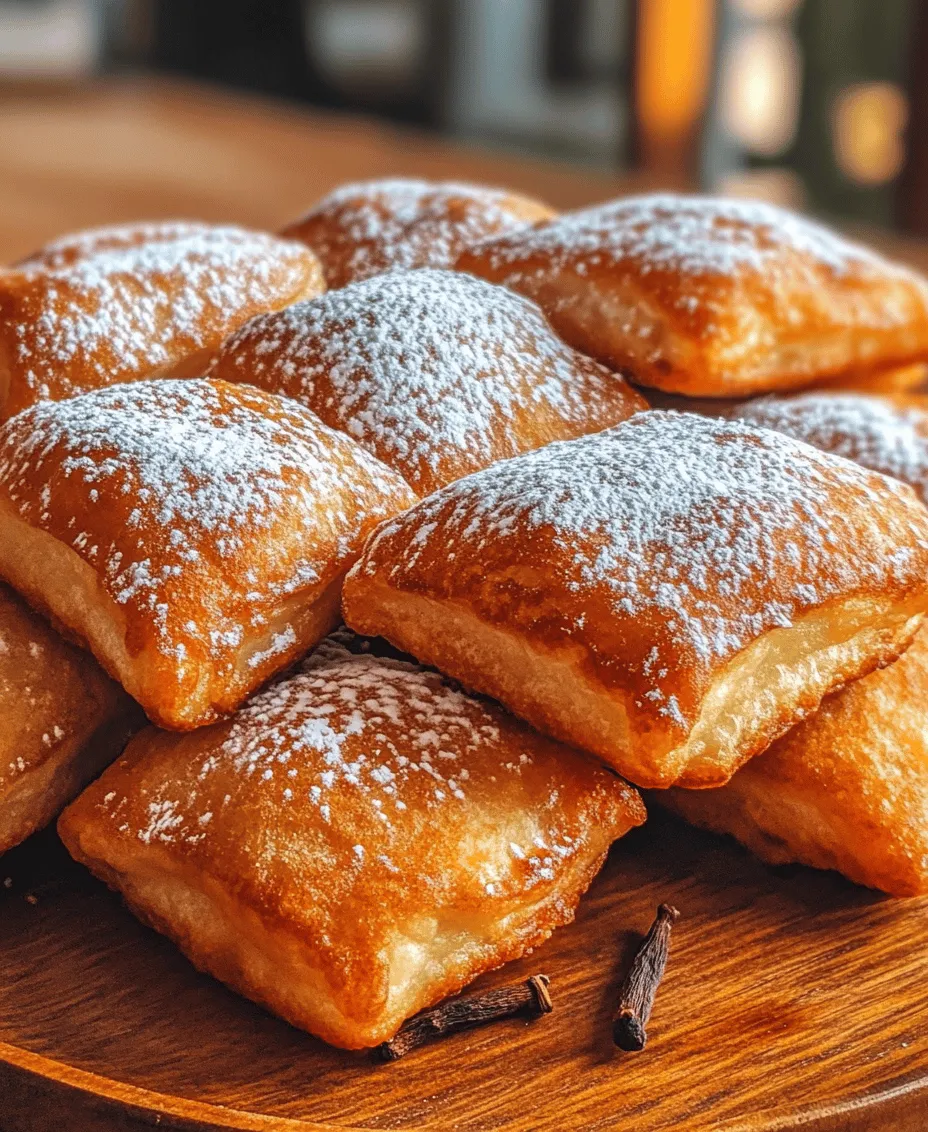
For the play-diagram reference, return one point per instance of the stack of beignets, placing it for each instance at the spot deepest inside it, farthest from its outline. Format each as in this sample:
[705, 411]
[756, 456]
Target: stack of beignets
[707, 605]
[436, 373]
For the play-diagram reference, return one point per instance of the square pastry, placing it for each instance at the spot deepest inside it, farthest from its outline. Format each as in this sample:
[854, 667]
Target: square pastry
[436, 373]
[137, 301]
[399, 223]
[63, 721]
[358, 841]
[192, 534]
[712, 297]
[671, 594]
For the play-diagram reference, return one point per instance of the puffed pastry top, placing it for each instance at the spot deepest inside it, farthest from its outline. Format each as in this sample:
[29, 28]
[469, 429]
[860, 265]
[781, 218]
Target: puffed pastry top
[137, 301]
[367, 227]
[192, 534]
[436, 373]
[883, 434]
[712, 297]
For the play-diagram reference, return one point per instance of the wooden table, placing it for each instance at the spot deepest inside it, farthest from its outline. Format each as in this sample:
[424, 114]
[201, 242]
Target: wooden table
[146, 149]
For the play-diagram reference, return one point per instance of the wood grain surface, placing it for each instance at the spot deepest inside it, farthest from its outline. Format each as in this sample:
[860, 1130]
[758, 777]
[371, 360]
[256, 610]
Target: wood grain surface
[792, 999]
[790, 996]
[146, 148]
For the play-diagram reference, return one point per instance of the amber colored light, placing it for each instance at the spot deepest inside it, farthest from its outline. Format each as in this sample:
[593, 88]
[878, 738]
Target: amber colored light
[674, 59]
[869, 121]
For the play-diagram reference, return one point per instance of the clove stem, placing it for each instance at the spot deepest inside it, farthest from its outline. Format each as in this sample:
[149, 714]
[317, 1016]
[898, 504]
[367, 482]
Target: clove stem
[529, 999]
[636, 999]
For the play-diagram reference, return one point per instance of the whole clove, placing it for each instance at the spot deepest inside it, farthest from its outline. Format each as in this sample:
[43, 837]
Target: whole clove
[529, 999]
[636, 999]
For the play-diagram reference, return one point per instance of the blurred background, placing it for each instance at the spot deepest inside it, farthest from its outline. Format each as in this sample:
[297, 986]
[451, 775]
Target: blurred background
[820, 104]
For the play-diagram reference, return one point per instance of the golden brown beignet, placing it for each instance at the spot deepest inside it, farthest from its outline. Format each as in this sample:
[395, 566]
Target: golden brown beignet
[436, 373]
[127, 303]
[712, 297]
[902, 386]
[61, 721]
[873, 431]
[367, 227]
[192, 534]
[847, 789]
[359, 841]
[671, 594]
[893, 382]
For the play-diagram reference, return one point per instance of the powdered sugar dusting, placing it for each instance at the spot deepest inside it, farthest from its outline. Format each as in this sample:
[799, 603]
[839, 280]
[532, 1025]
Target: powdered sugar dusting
[699, 240]
[888, 438]
[194, 487]
[363, 757]
[117, 304]
[696, 535]
[365, 228]
[435, 372]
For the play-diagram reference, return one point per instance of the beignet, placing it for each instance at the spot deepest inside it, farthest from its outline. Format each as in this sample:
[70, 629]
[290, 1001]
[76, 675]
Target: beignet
[712, 297]
[358, 841]
[127, 303]
[192, 534]
[847, 789]
[61, 721]
[884, 436]
[900, 386]
[436, 373]
[367, 227]
[671, 594]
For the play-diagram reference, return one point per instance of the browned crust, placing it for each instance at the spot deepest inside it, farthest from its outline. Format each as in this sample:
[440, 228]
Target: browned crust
[844, 790]
[704, 333]
[304, 909]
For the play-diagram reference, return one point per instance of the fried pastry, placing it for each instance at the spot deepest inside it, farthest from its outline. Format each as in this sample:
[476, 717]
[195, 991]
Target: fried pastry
[192, 534]
[62, 718]
[847, 789]
[359, 841]
[436, 373]
[671, 594]
[901, 386]
[711, 297]
[127, 303]
[878, 433]
[898, 381]
[365, 228]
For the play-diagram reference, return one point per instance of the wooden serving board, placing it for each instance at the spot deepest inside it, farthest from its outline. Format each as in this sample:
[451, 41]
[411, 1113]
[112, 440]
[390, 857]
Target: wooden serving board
[792, 999]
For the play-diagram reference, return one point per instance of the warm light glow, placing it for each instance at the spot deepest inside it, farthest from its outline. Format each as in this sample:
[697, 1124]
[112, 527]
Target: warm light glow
[760, 95]
[674, 61]
[776, 186]
[869, 121]
[766, 9]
